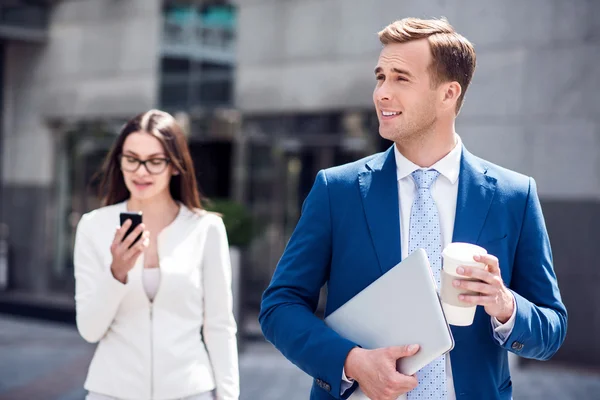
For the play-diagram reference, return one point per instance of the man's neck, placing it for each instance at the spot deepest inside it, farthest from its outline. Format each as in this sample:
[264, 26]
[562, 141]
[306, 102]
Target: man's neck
[428, 149]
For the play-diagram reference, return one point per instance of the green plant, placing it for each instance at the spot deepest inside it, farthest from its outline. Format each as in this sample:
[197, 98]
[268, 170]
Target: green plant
[237, 219]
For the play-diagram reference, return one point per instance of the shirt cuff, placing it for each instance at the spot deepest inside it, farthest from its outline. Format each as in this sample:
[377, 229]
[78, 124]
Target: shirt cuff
[503, 331]
[346, 382]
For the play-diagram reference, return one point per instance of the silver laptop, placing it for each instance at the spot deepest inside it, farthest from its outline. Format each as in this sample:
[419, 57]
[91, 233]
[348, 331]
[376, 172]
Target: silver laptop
[401, 307]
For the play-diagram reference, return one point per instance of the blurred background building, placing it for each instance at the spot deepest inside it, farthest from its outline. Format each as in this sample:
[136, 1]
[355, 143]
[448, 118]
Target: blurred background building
[73, 73]
[271, 91]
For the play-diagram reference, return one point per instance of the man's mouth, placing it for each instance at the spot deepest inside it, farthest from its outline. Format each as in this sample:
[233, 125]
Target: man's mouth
[390, 114]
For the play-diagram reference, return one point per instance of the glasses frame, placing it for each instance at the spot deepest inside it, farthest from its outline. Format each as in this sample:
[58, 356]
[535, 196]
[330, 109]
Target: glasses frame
[140, 163]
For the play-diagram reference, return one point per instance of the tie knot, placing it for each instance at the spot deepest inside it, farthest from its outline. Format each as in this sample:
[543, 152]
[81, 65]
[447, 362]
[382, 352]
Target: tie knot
[424, 179]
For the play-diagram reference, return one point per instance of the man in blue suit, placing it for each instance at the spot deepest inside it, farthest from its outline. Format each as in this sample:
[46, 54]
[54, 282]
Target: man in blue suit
[355, 226]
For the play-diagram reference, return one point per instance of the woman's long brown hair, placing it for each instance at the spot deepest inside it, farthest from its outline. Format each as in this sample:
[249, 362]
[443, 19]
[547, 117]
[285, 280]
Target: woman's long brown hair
[164, 127]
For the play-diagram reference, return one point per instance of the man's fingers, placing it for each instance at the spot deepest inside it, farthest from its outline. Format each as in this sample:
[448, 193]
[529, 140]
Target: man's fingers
[491, 261]
[397, 352]
[477, 300]
[406, 382]
[486, 258]
[478, 287]
[477, 273]
[411, 381]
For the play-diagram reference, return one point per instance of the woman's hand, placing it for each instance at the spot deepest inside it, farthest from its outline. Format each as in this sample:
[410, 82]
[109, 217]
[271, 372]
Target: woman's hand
[124, 258]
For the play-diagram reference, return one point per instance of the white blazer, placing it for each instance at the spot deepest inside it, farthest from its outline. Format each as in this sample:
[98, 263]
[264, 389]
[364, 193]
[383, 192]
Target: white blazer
[183, 343]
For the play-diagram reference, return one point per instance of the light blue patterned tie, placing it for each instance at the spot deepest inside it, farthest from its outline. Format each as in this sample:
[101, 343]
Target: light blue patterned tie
[425, 233]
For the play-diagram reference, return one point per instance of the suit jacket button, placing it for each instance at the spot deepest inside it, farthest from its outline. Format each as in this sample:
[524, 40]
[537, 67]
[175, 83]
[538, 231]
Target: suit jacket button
[517, 346]
[323, 385]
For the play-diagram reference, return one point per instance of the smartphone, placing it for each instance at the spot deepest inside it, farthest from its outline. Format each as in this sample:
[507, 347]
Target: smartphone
[136, 219]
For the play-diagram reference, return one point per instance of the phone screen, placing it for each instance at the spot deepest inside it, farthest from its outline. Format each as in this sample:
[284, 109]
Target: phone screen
[136, 219]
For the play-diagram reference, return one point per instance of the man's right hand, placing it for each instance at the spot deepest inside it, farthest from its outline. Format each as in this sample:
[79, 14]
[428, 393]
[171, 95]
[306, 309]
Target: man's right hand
[375, 371]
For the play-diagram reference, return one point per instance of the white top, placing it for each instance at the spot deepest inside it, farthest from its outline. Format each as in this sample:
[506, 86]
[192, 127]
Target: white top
[181, 344]
[151, 281]
[445, 194]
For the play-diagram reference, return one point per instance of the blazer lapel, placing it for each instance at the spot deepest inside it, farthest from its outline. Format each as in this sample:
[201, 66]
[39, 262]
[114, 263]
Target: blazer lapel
[379, 192]
[475, 193]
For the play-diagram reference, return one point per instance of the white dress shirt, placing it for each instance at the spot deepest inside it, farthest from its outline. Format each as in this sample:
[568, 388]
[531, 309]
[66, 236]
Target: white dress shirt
[445, 193]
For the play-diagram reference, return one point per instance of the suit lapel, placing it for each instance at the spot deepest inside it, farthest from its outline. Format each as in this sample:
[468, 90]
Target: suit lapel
[379, 192]
[475, 193]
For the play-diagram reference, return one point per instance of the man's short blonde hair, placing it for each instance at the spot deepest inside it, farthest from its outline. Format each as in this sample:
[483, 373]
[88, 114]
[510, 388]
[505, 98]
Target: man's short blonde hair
[453, 56]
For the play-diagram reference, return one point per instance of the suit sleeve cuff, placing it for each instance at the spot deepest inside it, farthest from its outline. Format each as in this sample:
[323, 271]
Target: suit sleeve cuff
[346, 383]
[503, 331]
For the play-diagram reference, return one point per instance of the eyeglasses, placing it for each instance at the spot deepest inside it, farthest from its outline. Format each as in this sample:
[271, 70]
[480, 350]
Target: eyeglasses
[154, 166]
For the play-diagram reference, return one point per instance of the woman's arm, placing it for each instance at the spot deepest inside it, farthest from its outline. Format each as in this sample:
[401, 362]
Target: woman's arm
[219, 324]
[97, 293]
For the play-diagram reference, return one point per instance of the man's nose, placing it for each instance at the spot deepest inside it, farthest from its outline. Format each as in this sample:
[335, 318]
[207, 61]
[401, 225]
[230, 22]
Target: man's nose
[382, 93]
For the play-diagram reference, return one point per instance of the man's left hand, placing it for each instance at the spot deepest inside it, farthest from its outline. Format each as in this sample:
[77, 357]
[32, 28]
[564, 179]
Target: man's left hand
[496, 299]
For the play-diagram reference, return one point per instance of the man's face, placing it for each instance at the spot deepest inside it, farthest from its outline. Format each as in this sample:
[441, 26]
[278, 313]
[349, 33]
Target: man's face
[404, 99]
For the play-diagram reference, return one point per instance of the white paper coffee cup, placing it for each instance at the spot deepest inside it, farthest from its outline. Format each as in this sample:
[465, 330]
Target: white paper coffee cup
[455, 255]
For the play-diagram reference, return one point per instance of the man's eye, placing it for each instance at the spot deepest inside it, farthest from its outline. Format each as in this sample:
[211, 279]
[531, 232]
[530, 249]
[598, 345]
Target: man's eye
[379, 77]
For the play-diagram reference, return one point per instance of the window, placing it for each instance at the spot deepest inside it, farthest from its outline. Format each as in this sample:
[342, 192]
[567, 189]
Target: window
[24, 20]
[198, 55]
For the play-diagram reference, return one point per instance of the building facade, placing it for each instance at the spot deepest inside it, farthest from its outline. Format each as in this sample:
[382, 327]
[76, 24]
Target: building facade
[69, 82]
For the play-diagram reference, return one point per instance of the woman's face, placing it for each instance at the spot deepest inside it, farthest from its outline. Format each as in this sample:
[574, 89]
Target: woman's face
[145, 166]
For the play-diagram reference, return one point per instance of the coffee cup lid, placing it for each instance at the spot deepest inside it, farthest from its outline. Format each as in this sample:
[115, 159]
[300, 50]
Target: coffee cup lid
[463, 252]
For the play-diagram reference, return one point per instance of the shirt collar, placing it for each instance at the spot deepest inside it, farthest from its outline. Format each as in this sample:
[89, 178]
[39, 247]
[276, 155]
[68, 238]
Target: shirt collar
[449, 166]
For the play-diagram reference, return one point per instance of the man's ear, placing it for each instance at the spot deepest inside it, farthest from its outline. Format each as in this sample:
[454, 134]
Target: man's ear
[451, 92]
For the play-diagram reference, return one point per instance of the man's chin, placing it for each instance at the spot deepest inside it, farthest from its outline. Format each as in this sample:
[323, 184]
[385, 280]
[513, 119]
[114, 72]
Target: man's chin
[386, 133]
[391, 134]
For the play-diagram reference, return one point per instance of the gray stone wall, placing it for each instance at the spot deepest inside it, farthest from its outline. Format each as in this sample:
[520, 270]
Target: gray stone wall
[531, 102]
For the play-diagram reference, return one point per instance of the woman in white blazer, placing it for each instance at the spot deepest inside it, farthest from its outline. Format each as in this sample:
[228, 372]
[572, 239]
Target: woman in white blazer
[160, 311]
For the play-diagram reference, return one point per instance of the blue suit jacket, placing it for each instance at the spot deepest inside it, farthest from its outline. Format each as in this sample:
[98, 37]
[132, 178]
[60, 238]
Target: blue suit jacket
[349, 235]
